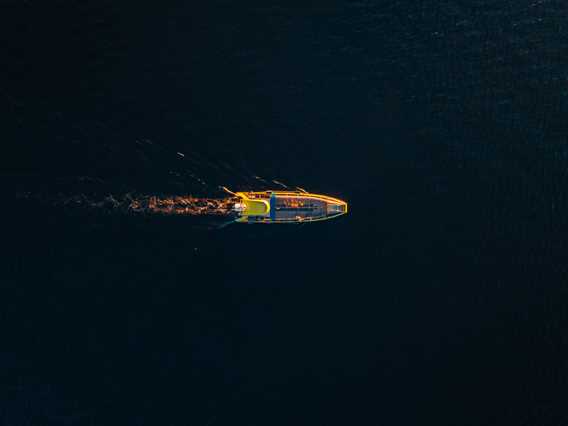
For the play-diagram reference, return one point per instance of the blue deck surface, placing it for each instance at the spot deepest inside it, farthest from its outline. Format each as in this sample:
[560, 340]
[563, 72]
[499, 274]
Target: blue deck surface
[273, 207]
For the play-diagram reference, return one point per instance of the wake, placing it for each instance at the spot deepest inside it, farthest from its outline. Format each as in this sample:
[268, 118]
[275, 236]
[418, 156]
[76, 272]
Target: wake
[137, 204]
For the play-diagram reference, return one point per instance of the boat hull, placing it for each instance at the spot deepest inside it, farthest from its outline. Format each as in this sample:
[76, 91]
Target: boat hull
[287, 207]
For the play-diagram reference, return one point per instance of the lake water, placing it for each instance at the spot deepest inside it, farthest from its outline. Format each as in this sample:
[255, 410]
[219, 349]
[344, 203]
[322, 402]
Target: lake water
[439, 299]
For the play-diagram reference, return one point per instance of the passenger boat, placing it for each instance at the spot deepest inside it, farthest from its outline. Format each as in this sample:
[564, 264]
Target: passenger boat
[285, 207]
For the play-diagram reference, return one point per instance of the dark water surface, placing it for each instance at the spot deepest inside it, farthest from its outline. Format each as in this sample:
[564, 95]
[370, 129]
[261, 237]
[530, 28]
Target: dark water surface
[440, 299]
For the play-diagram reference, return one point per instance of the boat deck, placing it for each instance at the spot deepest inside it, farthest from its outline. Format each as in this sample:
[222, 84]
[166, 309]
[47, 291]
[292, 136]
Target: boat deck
[294, 208]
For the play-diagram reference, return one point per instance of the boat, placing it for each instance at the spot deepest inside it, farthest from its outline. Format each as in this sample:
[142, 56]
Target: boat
[285, 207]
